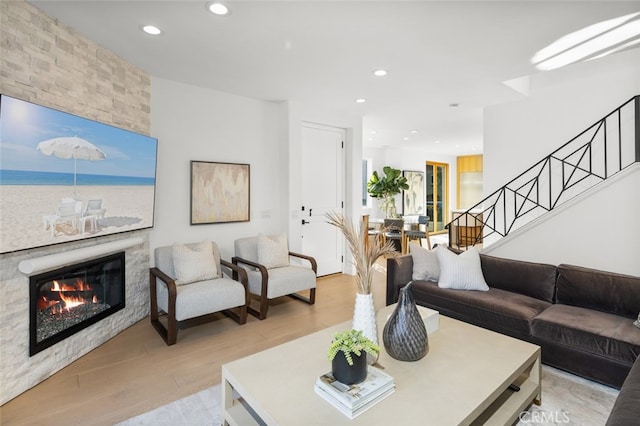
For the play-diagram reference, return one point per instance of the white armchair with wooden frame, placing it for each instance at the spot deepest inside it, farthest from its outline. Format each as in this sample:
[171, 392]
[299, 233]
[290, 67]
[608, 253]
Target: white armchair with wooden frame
[188, 283]
[266, 260]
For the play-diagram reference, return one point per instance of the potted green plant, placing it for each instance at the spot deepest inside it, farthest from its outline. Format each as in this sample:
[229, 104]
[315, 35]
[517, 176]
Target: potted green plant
[348, 358]
[386, 188]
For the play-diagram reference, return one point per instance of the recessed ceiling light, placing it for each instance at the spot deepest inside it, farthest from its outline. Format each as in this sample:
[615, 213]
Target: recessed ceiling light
[218, 8]
[380, 73]
[370, 139]
[373, 132]
[405, 138]
[361, 100]
[413, 131]
[151, 29]
[437, 142]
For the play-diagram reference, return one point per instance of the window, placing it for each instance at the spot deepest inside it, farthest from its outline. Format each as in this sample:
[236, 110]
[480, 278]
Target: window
[437, 196]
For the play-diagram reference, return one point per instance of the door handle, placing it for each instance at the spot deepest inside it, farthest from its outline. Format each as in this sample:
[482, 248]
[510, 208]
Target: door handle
[304, 222]
[310, 212]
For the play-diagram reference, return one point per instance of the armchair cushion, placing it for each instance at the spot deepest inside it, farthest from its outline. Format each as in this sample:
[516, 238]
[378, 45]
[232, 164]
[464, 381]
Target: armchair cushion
[203, 297]
[193, 263]
[283, 281]
[273, 251]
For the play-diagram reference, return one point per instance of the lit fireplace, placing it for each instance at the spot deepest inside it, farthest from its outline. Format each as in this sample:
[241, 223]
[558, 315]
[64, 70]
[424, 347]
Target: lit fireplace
[67, 300]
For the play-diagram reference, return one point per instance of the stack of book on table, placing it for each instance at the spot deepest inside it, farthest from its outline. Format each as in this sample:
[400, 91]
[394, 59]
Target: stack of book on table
[353, 400]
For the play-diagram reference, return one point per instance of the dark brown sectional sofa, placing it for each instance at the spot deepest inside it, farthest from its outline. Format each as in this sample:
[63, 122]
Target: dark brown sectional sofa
[582, 318]
[626, 410]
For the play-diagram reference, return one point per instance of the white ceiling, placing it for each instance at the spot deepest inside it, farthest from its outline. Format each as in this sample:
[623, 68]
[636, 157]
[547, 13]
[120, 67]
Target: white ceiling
[324, 53]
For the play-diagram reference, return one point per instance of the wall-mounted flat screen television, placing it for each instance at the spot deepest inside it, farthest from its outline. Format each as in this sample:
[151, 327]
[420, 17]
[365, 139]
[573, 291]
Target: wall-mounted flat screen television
[66, 178]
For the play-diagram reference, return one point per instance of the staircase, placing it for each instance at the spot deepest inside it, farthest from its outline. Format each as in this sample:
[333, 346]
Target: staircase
[607, 147]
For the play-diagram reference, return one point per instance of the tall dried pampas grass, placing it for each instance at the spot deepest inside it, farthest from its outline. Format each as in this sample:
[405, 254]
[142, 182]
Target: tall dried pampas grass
[363, 256]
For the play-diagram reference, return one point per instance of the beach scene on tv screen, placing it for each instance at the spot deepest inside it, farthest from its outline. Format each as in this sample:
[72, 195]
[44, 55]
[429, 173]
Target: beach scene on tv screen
[65, 178]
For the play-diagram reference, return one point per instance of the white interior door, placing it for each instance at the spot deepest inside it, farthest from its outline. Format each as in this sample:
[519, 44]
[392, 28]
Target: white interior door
[323, 190]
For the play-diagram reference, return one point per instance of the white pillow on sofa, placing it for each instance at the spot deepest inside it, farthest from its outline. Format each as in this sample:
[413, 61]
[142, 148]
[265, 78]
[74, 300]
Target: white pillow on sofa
[426, 266]
[273, 251]
[461, 271]
[194, 262]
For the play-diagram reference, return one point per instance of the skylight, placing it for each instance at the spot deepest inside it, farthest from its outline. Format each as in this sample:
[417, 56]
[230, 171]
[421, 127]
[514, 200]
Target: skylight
[595, 41]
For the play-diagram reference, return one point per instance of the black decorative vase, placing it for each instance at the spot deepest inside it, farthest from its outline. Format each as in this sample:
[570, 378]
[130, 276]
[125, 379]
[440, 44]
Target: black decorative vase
[405, 336]
[349, 374]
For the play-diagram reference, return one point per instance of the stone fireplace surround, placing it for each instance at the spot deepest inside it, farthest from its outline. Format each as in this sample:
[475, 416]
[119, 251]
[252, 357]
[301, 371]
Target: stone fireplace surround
[19, 371]
[48, 63]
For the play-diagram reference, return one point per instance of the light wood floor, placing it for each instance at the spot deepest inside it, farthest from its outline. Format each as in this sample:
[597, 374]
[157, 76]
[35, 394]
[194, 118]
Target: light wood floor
[135, 371]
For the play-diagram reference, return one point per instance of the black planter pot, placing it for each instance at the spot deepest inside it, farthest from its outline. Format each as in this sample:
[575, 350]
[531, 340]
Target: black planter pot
[349, 374]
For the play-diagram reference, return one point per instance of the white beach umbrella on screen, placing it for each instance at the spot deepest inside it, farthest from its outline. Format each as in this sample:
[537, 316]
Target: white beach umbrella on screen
[71, 147]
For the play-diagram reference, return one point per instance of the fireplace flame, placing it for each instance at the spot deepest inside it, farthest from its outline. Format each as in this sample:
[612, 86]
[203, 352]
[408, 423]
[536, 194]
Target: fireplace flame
[72, 301]
[79, 286]
[68, 296]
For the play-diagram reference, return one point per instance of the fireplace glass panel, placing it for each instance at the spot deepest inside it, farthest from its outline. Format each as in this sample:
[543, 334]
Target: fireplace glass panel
[70, 299]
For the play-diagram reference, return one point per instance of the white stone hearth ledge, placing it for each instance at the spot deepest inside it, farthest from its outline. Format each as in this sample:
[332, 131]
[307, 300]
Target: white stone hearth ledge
[45, 263]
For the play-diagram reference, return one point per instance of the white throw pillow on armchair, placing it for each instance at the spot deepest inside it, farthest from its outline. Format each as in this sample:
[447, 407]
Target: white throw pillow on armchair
[194, 262]
[273, 251]
[461, 271]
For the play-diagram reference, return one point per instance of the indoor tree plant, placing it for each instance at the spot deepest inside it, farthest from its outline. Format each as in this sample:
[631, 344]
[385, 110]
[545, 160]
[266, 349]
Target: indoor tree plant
[386, 188]
[363, 257]
[347, 356]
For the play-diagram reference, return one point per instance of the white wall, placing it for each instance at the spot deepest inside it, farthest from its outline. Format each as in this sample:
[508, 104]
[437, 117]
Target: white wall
[562, 104]
[192, 123]
[600, 231]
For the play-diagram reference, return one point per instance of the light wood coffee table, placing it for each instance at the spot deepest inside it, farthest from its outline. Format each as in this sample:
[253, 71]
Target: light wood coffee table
[464, 379]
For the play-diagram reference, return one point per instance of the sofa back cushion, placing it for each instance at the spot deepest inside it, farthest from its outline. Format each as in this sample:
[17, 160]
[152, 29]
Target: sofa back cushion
[600, 290]
[530, 279]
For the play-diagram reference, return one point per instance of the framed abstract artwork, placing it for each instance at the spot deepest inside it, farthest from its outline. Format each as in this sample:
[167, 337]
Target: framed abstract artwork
[220, 192]
[413, 198]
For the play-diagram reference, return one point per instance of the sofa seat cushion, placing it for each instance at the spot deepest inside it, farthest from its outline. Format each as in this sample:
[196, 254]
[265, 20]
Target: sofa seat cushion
[495, 308]
[596, 332]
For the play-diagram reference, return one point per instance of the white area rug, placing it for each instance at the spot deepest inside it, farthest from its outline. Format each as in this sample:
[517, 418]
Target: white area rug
[200, 409]
[566, 400]
[570, 400]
